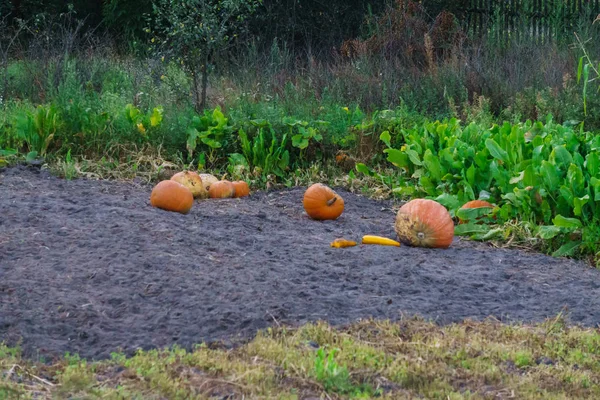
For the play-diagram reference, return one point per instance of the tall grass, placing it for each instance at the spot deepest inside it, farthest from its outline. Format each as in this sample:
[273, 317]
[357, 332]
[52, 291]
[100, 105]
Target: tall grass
[404, 59]
[431, 66]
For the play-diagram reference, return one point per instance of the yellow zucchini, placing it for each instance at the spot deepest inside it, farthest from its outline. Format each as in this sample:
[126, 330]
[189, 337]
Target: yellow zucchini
[372, 239]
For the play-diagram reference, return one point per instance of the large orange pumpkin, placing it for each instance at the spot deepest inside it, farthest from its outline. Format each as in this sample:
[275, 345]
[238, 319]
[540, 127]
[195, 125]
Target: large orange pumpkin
[241, 188]
[475, 204]
[221, 190]
[321, 202]
[172, 196]
[207, 180]
[424, 223]
[192, 181]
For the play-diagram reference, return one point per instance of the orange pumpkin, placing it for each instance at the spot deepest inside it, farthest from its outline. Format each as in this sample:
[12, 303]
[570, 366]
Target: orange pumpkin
[221, 190]
[172, 196]
[475, 204]
[321, 202]
[241, 189]
[207, 180]
[424, 223]
[192, 181]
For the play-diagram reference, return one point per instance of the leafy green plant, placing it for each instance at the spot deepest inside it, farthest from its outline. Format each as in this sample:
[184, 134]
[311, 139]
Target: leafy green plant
[327, 371]
[68, 167]
[211, 129]
[261, 155]
[37, 129]
[544, 174]
[302, 134]
[5, 156]
[141, 121]
[336, 378]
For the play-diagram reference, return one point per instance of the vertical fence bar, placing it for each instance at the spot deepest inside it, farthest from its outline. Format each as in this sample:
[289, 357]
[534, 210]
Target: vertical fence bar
[518, 18]
[545, 21]
[476, 18]
[537, 21]
[506, 16]
[531, 19]
[542, 21]
[488, 19]
[467, 18]
[563, 15]
[540, 14]
[551, 16]
[480, 14]
[512, 21]
[505, 23]
[546, 17]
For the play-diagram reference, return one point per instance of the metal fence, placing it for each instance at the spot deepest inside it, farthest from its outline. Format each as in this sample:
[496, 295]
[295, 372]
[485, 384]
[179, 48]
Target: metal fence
[539, 20]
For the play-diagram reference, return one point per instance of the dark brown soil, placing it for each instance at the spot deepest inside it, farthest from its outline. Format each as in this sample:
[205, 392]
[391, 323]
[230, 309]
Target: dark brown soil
[90, 267]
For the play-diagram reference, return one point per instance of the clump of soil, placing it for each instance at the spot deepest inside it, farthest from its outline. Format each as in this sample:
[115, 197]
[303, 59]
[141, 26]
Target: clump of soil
[90, 267]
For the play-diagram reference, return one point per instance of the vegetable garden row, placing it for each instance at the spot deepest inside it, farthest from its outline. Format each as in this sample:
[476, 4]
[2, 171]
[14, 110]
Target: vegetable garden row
[543, 178]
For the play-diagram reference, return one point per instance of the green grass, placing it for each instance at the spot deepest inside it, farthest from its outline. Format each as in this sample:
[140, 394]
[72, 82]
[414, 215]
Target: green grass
[408, 359]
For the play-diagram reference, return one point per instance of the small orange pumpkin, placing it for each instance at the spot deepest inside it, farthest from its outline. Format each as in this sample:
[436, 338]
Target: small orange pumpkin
[241, 188]
[475, 204]
[172, 196]
[221, 190]
[321, 202]
[192, 181]
[424, 223]
[345, 161]
[207, 180]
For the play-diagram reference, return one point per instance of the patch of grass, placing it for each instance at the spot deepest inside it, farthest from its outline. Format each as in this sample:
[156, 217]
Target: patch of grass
[406, 359]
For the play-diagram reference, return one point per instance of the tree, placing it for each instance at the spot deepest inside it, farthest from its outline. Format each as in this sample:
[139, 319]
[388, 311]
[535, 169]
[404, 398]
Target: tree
[194, 31]
[123, 17]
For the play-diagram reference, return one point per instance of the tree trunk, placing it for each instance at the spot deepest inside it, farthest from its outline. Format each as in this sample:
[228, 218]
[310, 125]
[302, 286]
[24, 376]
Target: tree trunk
[197, 101]
[204, 80]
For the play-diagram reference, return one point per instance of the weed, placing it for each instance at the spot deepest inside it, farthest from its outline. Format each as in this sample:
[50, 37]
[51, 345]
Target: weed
[68, 167]
[327, 371]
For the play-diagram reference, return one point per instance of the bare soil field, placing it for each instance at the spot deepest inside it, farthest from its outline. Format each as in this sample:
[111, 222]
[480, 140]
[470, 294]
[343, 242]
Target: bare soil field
[89, 267]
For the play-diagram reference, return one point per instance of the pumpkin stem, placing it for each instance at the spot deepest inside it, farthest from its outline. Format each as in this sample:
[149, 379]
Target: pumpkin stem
[331, 201]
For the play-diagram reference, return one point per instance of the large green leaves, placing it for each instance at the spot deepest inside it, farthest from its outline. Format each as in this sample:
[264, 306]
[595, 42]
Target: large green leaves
[496, 151]
[550, 176]
[433, 166]
[569, 223]
[397, 157]
[561, 157]
[545, 174]
[592, 163]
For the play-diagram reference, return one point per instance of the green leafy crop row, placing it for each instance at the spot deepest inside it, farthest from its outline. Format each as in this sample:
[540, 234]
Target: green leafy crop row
[546, 175]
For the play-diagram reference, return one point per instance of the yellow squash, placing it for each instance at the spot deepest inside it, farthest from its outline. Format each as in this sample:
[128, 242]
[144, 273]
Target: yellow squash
[372, 239]
[339, 243]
